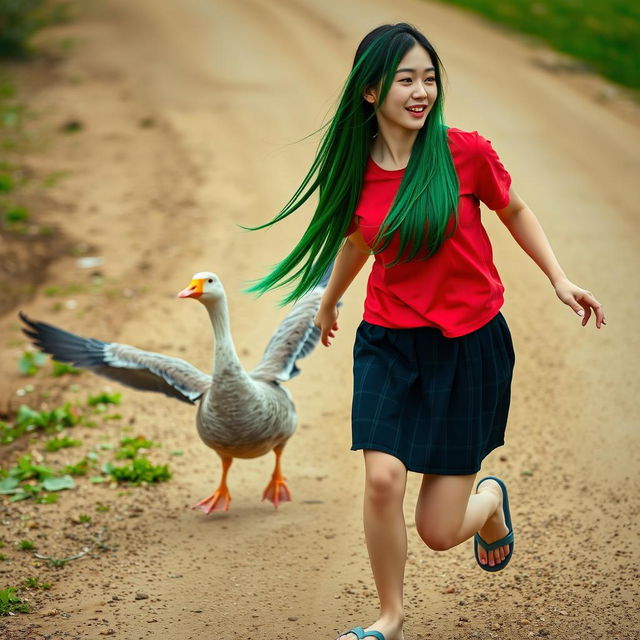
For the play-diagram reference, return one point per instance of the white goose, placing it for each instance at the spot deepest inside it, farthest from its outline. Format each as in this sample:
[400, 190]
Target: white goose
[240, 414]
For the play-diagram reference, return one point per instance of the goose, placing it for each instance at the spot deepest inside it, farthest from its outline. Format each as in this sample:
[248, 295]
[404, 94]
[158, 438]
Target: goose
[240, 414]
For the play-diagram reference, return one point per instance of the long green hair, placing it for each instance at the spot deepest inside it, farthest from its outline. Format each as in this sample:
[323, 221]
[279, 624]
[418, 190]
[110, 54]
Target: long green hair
[428, 193]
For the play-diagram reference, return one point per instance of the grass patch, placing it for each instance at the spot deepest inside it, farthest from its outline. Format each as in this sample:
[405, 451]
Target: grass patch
[27, 480]
[29, 420]
[103, 399]
[21, 19]
[10, 603]
[55, 444]
[30, 362]
[603, 33]
[26, 545]
[138, 471]
[130, 447]
[35, 583]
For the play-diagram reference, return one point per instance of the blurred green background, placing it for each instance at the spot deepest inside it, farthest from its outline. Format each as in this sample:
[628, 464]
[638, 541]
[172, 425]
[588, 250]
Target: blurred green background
[603, 33]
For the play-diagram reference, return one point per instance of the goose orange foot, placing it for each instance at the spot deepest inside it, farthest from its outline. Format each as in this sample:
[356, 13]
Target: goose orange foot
[277, 491]
[219, 500]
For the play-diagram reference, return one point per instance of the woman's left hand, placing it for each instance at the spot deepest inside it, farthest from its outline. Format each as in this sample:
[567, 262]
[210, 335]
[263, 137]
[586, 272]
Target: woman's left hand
[581, 301]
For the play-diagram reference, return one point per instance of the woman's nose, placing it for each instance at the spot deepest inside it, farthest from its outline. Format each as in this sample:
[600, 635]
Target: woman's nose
[420, 90]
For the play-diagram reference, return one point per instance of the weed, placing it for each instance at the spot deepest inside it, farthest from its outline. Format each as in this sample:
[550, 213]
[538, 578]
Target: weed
[102, 507]
[103, 399]
[25, 470]
[34, 583]
[7, 183]
[48, 421]
[78, 469]
[40, 479]
[30, 362]
[84, 518]
[26, 545]
[2, 557]
[138, 471]
[55, 444]
[63, 368]
[10, 603]
[129, 447]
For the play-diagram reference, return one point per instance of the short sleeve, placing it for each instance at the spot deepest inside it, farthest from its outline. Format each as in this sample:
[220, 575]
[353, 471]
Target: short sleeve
[492, 179]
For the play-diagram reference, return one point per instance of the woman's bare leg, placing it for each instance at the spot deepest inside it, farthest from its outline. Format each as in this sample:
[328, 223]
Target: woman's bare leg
[449, 512]
[386, 534]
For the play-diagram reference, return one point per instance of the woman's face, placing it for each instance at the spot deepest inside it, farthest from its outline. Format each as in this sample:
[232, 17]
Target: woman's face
[412, 93]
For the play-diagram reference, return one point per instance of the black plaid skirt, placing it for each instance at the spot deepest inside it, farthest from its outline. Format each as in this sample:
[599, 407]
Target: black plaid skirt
[439, 405]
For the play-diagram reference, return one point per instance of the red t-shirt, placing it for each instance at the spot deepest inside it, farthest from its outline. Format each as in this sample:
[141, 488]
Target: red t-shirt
[458, 289]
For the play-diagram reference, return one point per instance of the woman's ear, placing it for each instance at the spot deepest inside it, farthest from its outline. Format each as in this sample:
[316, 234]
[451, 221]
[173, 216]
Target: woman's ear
[370, 96]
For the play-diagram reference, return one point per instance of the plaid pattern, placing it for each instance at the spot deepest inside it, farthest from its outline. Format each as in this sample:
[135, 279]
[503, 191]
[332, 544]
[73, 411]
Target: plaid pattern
[438, 404]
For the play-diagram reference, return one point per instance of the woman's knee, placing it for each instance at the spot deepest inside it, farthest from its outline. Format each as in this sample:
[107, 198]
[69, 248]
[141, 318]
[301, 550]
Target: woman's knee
[384, 485]
[436, 538]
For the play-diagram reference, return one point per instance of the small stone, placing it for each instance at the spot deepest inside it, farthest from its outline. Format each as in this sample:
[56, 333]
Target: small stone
[115, 598]
[496, 626]
[140, 595]
[463, 619]
[543, 632]
[108, 632]
[292, 618]
[524, 621]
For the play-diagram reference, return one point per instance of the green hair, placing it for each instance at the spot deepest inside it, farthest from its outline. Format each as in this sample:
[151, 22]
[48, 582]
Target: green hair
[428, 193]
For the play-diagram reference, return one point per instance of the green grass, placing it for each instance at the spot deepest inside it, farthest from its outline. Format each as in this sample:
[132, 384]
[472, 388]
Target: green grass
[605, 34]
[20, 19]
[10, 603]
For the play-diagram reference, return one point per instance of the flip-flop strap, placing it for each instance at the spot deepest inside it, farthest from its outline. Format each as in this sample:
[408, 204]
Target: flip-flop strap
[360, 633]
[508, 539]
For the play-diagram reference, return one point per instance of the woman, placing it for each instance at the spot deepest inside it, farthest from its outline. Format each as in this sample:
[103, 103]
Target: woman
[433, 357]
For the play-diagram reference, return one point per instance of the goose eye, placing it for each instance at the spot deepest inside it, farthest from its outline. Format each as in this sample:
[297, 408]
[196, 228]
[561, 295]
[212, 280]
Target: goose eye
[209, 280]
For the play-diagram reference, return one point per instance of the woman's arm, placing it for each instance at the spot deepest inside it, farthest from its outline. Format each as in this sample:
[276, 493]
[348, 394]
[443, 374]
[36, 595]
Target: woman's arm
[529, 234]
[348, 264]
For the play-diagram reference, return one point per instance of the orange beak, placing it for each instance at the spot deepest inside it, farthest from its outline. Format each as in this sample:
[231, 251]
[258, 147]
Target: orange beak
[194, 290]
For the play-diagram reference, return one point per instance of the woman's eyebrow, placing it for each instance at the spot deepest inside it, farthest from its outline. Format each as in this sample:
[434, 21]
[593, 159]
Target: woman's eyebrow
[413, 70]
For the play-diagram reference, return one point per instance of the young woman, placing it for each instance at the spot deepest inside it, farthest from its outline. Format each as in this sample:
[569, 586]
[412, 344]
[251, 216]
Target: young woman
[433, 356]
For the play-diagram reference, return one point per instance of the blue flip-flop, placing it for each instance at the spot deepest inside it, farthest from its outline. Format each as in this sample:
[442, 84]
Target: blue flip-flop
[508, 539]
[360, 633]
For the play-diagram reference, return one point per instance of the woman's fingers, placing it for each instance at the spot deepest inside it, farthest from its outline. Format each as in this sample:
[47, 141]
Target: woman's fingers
[589, 304]
[326, 321]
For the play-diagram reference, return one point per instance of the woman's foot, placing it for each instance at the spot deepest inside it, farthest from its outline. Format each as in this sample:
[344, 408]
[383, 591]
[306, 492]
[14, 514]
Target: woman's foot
[389, 626]
[495, 527]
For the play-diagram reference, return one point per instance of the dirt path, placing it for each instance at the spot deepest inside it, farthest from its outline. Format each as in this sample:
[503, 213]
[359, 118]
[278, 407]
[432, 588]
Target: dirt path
[222, 88]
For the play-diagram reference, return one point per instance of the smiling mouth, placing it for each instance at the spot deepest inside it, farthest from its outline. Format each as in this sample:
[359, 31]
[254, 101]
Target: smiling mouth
[417, 109]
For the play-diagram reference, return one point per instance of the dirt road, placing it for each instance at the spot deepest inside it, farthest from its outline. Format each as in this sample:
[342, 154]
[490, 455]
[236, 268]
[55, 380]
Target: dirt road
[190, 108]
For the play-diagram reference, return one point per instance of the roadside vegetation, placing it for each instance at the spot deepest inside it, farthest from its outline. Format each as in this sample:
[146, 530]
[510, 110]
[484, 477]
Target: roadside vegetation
[48, 452]
[604, 34]
[21, 19]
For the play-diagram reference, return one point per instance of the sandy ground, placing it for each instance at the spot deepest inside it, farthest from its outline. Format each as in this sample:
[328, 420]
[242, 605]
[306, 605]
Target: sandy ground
[190, 108]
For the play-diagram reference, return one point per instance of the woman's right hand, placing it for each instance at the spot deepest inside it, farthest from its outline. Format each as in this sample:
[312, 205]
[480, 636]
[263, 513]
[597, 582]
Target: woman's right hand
[327, 321]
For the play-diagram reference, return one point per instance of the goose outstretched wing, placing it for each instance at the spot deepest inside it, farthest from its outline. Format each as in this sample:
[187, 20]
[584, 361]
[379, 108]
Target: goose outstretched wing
[295, 337]
[127, 365]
